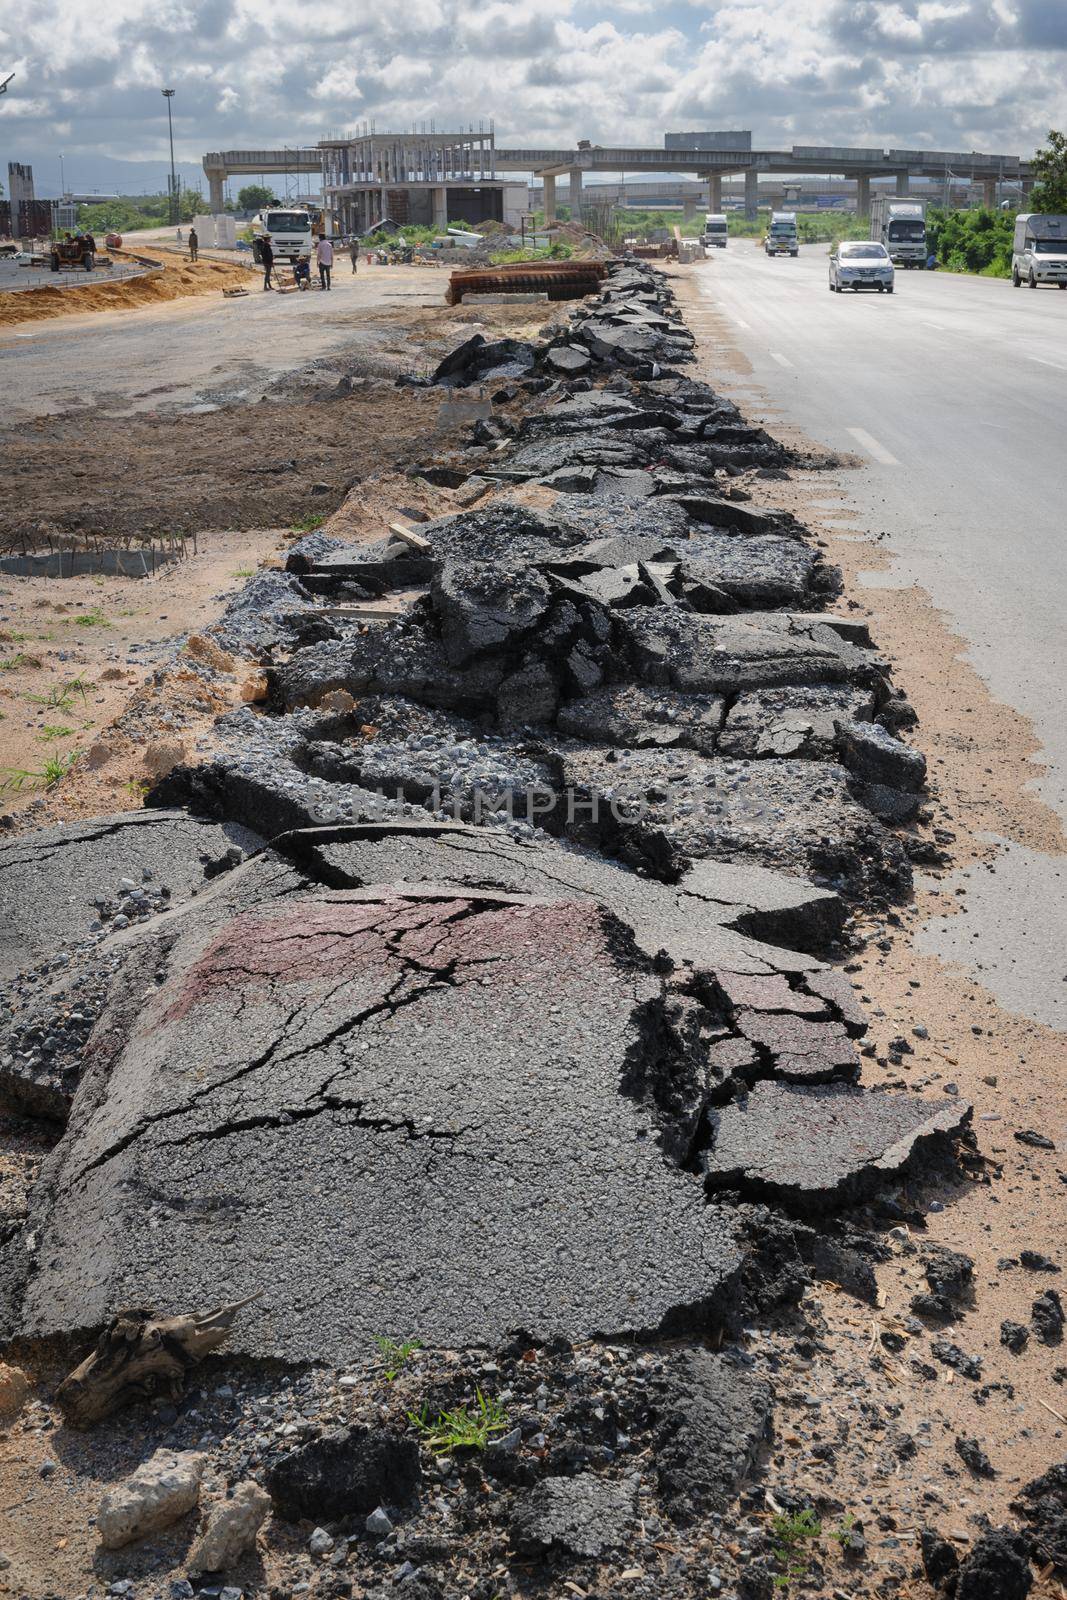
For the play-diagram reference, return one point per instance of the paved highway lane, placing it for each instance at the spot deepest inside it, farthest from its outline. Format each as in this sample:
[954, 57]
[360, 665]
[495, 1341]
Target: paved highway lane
[954, 392]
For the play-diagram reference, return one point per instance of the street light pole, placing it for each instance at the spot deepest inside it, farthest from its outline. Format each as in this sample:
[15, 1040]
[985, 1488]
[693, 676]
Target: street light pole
[175, 213]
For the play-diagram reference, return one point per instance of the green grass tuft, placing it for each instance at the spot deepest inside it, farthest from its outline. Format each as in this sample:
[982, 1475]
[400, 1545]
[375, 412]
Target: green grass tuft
[464, 1427]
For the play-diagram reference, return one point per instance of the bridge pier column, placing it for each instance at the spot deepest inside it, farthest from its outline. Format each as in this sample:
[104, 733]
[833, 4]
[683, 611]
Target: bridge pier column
[576, 194]
[549, 182]
[863, 195]
[689, 210]
[215, 183]
[902, 183]
[751, 193]
[989, 193]
[715, 192]
[440, 207]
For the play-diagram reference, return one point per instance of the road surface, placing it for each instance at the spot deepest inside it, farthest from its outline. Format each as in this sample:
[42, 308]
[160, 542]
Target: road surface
[954, 390]
[188, 351]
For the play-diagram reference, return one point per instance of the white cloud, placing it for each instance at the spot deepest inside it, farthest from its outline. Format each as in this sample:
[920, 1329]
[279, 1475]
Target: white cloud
[957, 73]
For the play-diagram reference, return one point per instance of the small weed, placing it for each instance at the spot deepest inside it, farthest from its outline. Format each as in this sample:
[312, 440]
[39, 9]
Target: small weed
[92, 619]
[12, 779]
[54, 730]
[57, 767]
[843, 1532]
[395, 1357]
[243, 572]
[12, 638]
[138, 787]
[792, 1534]
[469, 1427]
[61, 696]
[308, 524]
[13, 663]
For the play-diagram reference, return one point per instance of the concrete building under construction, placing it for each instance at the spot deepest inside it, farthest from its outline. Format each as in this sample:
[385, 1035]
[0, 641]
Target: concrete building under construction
[418, 178]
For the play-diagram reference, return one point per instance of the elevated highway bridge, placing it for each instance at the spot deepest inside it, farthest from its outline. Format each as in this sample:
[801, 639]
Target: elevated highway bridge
[222, 164]
[711, 166]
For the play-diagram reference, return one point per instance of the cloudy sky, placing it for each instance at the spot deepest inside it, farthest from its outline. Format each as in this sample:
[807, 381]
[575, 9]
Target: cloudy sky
[949, 74]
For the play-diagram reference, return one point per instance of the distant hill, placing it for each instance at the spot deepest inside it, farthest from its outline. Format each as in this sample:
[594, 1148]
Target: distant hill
[86, 173]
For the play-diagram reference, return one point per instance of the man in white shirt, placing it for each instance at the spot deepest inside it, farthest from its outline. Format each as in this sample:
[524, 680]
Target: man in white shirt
[324, 257]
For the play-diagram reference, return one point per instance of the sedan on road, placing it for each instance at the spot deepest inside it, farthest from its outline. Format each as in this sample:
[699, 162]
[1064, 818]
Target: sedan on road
[860, 264]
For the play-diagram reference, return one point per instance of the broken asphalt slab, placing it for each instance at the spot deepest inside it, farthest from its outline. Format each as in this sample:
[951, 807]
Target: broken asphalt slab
[382, 1111]
[49, 880]
[810, 1147]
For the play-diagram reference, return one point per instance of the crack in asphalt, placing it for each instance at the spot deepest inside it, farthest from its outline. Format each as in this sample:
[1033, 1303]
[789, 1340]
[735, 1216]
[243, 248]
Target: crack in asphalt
[442, 977]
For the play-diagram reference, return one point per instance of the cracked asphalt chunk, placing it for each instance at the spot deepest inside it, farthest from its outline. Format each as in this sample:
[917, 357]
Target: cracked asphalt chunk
[50, 879]
[716, 916]
[662, 808]
[817, 1147]
[380, 1111]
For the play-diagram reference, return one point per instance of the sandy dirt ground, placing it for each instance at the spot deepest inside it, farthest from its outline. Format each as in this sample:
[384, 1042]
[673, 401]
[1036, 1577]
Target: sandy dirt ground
[177, 279]
[981, 755]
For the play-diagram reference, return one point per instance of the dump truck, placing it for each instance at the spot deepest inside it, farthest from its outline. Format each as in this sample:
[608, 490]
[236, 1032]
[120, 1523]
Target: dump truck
[1039, 249]
[289, 230]
[901, 226]
[782, 237]
[715, 231]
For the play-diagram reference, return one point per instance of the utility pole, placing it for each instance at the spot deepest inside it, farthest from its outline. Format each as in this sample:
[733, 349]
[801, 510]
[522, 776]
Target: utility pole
[175, 210]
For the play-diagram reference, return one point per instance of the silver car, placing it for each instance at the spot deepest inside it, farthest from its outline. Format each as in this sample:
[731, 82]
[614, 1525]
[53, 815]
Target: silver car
[860, 264]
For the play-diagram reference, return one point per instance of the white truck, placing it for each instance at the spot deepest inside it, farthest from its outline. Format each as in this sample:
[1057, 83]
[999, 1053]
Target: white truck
[901, 226]
[1039, 250]
[288, 229]
[715, 231]
[782, 237]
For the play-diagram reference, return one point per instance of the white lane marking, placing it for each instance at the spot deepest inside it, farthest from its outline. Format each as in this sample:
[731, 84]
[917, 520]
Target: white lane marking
[1059, 365]
[783, 361]
[940, 326]
[871, 445]
[740, 324]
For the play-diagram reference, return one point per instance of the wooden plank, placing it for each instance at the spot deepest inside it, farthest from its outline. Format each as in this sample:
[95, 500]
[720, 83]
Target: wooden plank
[409, 536]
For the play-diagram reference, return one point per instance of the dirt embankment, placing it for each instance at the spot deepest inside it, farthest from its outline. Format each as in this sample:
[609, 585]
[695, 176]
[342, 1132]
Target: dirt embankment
[175, 279]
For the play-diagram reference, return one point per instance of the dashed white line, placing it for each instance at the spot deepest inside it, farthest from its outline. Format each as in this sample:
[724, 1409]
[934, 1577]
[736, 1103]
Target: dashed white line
[740, 324]
[940, 326]
[783, 361]
[1059, 365]
[873, 448]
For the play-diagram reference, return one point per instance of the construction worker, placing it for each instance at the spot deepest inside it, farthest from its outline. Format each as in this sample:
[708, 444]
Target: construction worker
[324, 257]
[353, 251]
[266, 255]
[194, 244]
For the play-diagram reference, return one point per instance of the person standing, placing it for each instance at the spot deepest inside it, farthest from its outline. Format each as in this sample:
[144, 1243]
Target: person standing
[266, 255]
[194, 244]
[324, 257]
[353, 251]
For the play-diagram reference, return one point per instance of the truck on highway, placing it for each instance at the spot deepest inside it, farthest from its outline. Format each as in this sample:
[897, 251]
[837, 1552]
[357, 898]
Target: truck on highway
[782, 237]
[289, 230]
[1039, 250]
[901, 226]
[715, 231]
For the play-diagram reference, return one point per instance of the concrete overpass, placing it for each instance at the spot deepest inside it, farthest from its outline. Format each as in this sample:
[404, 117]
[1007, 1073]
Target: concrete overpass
[222, 164]
[712, 165]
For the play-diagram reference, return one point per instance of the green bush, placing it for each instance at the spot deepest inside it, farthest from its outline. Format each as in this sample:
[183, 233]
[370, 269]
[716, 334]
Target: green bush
[976, 241]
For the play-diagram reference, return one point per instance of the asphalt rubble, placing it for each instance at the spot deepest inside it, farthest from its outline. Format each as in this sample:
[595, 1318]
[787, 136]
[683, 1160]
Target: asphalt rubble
[477, 1010]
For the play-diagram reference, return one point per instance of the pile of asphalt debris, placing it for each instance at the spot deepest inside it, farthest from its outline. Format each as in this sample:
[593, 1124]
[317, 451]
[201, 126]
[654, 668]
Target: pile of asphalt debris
[478, 995]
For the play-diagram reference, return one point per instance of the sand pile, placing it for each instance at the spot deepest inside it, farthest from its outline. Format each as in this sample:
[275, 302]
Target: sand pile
[175, 279]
